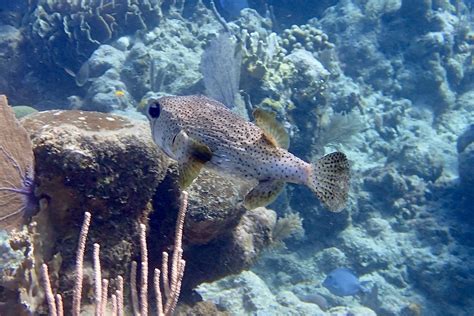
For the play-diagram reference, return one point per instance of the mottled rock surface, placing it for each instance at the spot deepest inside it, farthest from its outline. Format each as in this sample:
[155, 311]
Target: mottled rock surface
[108, 165]
[465, 146]
[104, 164]
[11, 57]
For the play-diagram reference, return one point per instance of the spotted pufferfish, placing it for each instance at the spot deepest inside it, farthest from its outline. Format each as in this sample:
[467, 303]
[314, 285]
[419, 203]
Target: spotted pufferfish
[198, 132]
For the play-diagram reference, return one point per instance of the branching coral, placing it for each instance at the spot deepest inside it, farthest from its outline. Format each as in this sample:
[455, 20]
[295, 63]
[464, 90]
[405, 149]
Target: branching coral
[169, 278]
[289, 225]
[65, 32]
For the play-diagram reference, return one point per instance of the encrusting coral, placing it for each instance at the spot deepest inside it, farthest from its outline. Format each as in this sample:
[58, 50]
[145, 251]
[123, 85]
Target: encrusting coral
[305, 36]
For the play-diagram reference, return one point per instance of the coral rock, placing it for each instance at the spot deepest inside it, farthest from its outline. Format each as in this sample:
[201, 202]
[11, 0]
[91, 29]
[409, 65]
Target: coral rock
[221, 238]
[104, 164]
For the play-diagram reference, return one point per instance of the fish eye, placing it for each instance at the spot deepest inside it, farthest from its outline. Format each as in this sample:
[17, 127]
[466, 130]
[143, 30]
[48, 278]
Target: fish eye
[154, 109]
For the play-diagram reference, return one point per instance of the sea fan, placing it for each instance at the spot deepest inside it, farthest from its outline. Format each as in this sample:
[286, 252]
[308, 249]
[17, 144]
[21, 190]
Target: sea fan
[220, 67]
[16, 170]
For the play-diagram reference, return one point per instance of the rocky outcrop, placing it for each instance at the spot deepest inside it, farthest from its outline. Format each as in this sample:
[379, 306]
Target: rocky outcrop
[108, 165]
[465, 147]
[221, 237]
[104, 164]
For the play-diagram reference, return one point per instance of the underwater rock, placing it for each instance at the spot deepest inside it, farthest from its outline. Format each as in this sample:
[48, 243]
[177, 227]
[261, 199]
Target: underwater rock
[200, 308]
[104, 58]
[10, 259]
[21, 256]
[330, 258]
[107, 93]
[252, 22]
[351, 311]
[465, 139]
[420, 161]
[310, 78]
[214, 207]
[11, 58]
[465, 147]
[135, 70]
[451, 274]
[10, 41]
[104, 164]
[234, 252]
[366, 254]
[221, 238]
[80, 27]
[247, 294]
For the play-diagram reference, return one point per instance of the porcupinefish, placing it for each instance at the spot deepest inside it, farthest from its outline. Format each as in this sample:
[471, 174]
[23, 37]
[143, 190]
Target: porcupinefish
[197, 132]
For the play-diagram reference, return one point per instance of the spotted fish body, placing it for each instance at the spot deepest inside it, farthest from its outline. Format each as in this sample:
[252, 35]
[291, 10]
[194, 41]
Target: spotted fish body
[200, 132]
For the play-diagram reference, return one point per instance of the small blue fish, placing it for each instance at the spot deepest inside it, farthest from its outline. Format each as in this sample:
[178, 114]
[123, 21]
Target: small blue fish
[343, 282]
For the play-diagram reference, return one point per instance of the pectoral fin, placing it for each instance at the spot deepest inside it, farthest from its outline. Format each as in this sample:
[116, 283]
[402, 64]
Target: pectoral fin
[263, 194]
[192, 155]
[273, 131]
[188, 172]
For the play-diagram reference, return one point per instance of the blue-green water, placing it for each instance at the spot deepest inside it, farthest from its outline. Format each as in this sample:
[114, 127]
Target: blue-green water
[390, 83]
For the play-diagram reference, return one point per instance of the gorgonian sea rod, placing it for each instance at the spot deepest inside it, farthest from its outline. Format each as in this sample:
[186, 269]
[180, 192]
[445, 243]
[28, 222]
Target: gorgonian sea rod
[16, 170]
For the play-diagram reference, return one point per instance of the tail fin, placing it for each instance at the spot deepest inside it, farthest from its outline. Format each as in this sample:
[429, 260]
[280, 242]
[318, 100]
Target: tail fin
[329, 180]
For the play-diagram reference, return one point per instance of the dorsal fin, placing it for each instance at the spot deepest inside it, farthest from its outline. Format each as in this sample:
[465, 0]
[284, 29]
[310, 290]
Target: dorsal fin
[273, 131]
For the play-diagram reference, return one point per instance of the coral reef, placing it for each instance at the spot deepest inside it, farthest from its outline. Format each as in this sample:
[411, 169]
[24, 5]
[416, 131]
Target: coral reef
[423, 65]
[69, 32]
[291, 225]
[388, 82]
[221, 238]
[83, 161]
[11, 57]
[22, 254]
[83, 164]
[465, 147]
[305, 36]
[253, 296]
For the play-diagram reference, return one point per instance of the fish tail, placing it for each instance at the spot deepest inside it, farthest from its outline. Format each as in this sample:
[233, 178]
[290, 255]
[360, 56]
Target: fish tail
[329, 180]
